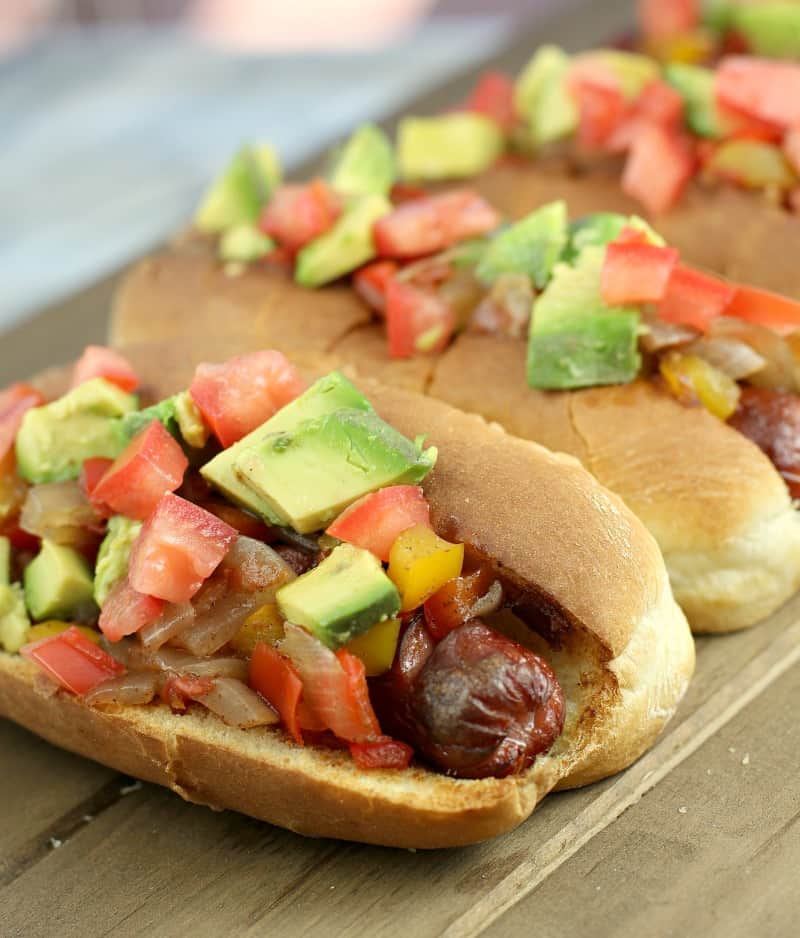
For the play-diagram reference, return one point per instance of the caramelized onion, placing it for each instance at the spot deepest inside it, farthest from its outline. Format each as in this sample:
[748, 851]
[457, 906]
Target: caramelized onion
[134, 688]
[735, 358]
[60, 512]
[489, 603]
[235, 703]
[780, 370]
[506, 310]
[217, 626]
[173, 661]
[176, 618]
[661, 335]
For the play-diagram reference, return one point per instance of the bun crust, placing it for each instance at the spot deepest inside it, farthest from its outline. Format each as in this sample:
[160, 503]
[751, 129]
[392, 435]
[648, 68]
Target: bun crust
[719, 511]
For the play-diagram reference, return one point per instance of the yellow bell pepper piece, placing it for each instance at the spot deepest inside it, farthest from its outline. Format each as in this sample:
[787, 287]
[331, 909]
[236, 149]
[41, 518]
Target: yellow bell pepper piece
[690, 48]
[264, 625]
[420, 563]
[376, 647]
[692, 377]
[51, 627]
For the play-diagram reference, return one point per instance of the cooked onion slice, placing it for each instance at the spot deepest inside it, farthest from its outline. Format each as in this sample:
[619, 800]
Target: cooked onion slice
[737, 359]
[173, 661]
[176, 618]
[134, 688]
[489, 603]
[60, 512]
[661, 335]
[506, 310]
[780, 370]
[217, 626]
[235, 703]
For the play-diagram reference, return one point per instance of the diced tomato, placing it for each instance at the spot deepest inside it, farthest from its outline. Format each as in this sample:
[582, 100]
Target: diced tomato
[451, 605]
[424, 226]
[92, 472]
[240, 394]
[666, 19]
[631, 235]
[98, 361]
[15, 401]
[178, 548]
[179, 688]
[766, 309]
[694, 299]
[370, 284]
[761, 88]
[493, 96]
[152, 464]
[274, 677]
[658, 168]
[791, 147]
[383, 753]
[406, 192]
[659, 103]
[296, 214]
[417, 320]
[375, 521]
[76, 663]
[334, 685]
[126, 611]
[601, 106]
[636, 273]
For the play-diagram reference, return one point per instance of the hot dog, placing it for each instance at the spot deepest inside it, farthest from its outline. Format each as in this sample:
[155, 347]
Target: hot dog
[571, 638]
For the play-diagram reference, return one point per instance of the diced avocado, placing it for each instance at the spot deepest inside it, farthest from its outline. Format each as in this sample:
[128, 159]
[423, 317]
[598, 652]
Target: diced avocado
[113, 556]
[365, 164]
[632, 71]
[14, 621]
[58, 583]
[575, 339]
[5, 561]
[531, 246]
[244, 243]
[137, 420]
[309, 474]
[695, 85]
[770, 29]
[347, 245]
[542, 96]
[190, 421]
[600, 228]
[341, 598]
[333, 392]
[56, 438]
[450, 146]
[237, 196]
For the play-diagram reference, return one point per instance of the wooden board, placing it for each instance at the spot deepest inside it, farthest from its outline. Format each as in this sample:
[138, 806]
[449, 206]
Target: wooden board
[84, 853]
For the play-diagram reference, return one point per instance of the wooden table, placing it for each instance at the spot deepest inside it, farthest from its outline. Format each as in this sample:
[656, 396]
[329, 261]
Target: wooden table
[700, 837]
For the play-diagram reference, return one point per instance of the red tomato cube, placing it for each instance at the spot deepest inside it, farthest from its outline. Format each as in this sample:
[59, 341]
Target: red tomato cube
[601, 104]
[92, 471]
[636, 273]
[240, 394]
[178, 548]
[493, 96]
[760, 88]
[126, 611]
[98, 361]
[277, 680]
[418, 321]
[382, 753]
[658, 168]
[370, 284]
[73, 661]
[666, 19]
[152, 464]
[661, 104]
[431, 224]
[296, 214]
[375, 521]
[772, 310]
[694, 299]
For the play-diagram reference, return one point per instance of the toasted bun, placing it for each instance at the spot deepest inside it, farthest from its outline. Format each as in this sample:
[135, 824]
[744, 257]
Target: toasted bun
[606, 621]
[716, 506]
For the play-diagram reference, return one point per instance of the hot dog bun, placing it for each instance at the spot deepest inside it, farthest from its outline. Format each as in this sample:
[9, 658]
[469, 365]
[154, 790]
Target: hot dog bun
[716, 506]
[607, 621]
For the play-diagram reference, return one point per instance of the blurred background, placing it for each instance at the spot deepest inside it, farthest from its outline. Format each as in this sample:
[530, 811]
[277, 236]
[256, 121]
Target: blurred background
[115, 113]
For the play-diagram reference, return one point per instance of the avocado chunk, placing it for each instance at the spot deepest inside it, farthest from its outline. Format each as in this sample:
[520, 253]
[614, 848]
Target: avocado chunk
[58, 584]
[450, 146]
[237, 196]
[345, 596]
[365, 164]
[309, 474]
[601, 228]
[244, 243]
[771, 29]
[531, 246]
[5, 561]
[14, 621]
[190, 421]
[575, 339]
[333, 392]
[696, 86]
[55, 439]
[137, 420]
[542, 96]
[113, 556]
[347, 245]
[632, 71]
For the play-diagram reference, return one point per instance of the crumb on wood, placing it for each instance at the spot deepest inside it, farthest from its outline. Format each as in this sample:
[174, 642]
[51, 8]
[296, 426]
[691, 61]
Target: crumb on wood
[683, 809]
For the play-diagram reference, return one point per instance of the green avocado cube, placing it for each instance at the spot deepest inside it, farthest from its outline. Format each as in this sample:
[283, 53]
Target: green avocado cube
[137, 420]
[310, 474]
[14, 621]
[532, 246]
[243, 244]
[632, 70]
[113, 556]
[601, 228]
[695, 85]
[450, 146]
[238, 195]
[365, 164]
[341, 598]
[541, 95]
[5, 561]
[771, 29]
[347, 245]
[55, 439]
[58, 583]
[333, 392]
